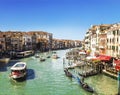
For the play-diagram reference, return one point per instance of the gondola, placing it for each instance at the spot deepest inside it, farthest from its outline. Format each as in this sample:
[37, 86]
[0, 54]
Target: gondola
[85, 86]
[67, 73]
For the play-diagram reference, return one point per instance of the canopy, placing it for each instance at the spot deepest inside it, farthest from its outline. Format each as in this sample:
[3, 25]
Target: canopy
[103, 58]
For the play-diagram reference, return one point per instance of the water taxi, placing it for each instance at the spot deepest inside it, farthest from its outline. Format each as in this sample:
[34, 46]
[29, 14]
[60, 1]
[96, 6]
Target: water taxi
[18, 70]
[22, 54]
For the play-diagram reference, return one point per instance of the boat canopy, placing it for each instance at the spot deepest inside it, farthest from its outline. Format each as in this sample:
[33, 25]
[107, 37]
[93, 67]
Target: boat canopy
[19, 66]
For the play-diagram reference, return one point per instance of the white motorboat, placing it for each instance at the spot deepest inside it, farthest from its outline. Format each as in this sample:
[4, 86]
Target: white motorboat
[37, 56]
[18, 70]
[54, 56]
[42, 58]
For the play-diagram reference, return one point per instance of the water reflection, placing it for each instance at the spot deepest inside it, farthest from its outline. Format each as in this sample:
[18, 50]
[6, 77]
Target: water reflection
[3, 68]
[30, 74]
[17, 84]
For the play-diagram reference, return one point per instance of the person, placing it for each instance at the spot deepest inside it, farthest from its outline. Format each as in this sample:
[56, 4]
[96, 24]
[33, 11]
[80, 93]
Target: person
[82, 79]
[85, 85]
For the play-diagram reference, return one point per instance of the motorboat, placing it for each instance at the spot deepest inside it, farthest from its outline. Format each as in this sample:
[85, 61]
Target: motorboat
[54, 56]
[42, 58]
[37, 56]
[18, 70]
[4, 60]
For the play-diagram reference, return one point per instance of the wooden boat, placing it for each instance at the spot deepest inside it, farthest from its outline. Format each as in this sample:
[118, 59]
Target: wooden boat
[67, 73]
[85, 86]
[18, 70]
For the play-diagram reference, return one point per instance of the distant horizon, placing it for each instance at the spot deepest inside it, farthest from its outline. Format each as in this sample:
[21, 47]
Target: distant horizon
[65, 19]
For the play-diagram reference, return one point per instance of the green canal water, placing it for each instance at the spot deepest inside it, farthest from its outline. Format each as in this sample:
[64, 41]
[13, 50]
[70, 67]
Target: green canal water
[48, 78]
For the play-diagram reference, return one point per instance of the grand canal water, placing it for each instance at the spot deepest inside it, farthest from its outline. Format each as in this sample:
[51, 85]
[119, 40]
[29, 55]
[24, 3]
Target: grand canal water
[48, 78]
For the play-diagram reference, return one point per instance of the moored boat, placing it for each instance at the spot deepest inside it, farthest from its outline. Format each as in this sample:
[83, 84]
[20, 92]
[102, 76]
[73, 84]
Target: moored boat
[18, 70]
[67, 73]
[87, 87]
[84, 85]
[22, 54]
[4, 60]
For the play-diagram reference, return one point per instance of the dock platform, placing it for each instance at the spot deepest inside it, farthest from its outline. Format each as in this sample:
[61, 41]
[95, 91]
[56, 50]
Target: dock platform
[112, 75]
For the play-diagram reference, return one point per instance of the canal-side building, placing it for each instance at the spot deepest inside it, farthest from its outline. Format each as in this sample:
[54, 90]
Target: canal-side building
[2, 43]
[91, 41]
[27, 41]
[102, 38]
[14, 41]
[113, 40]
[17, 41]
[65, 44]
[78, 43]
[41, 40]
[96, 39]
[21, 41]
[55, 44]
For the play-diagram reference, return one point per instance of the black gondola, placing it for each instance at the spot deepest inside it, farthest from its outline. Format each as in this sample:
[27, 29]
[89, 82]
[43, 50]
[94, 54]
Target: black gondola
[85, 85]
[67, 73]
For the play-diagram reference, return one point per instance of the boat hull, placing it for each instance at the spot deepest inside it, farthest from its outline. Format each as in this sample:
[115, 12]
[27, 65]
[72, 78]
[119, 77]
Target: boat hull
[18, 71]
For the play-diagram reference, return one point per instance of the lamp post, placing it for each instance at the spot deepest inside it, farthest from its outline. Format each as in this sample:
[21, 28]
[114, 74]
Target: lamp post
[118, 68]
[119, 82]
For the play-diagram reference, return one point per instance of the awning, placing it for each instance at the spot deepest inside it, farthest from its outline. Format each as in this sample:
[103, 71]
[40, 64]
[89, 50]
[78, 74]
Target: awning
[103, 58]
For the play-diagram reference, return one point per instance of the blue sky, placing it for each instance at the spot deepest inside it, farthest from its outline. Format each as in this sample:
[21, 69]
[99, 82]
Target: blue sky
[66, 19]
